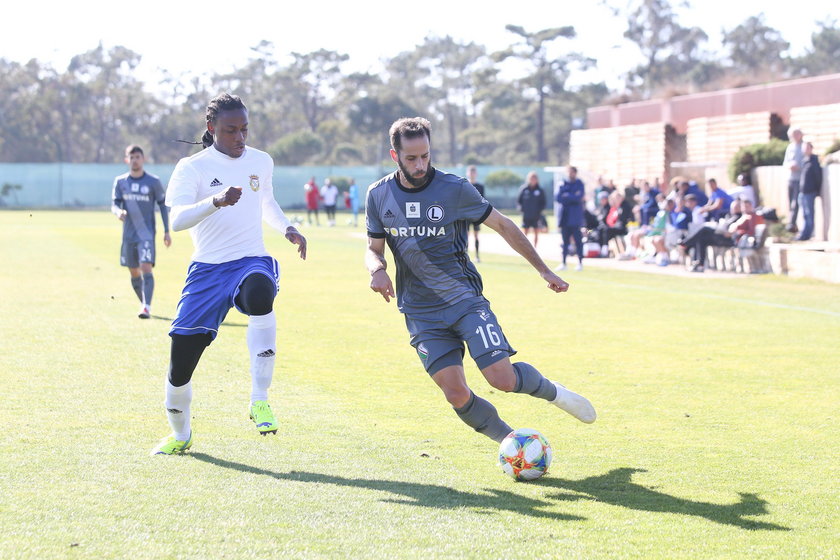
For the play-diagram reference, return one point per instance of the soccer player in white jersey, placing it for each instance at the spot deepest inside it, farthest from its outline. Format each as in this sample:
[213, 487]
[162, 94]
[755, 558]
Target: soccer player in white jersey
[423, 214]
[222, 194]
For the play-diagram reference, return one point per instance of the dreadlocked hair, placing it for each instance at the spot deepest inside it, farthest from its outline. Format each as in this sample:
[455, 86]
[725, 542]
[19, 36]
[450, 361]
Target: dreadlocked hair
[222, 102]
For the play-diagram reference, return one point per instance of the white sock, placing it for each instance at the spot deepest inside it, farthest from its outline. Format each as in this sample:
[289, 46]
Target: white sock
[262, 346]
[177, 404]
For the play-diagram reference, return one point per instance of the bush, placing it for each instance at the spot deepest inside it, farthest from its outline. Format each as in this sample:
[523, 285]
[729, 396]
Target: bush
[340, 181]
[755, 155]
[835, 147]
[296, 148]
[503, 178]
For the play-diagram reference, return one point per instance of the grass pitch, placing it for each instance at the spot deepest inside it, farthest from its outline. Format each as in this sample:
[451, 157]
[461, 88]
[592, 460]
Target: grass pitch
[717, 399]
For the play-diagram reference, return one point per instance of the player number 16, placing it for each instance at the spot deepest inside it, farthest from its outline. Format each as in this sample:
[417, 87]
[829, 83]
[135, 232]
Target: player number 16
[495, 340]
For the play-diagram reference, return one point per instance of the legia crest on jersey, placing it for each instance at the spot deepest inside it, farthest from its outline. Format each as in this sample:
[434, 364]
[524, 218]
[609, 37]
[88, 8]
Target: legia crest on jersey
[254, 182]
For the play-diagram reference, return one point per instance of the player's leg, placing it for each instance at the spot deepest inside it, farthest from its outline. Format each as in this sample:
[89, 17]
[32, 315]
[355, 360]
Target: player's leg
[490, 349]
[137, 282]
[204, 303]
[578, 237]
[256, 299]
[442, 353]
[130, 258]
[476, 228]
[148, 288]
[477, 413]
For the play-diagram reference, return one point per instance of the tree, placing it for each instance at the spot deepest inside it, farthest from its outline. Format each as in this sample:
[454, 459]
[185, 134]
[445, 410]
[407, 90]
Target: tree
[548, 74]
[824, 55]
[755, 47]
[313, 79]
[671, 52]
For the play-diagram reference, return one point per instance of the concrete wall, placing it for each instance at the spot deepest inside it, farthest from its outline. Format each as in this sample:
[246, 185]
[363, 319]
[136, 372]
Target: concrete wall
[772, 185]
[777, 97]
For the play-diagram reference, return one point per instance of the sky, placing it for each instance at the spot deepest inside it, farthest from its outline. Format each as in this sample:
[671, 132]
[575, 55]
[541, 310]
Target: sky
[190, 38]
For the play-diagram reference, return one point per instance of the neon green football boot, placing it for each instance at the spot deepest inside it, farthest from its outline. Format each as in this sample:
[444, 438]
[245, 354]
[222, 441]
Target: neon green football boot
[170, 446]
[263, 417]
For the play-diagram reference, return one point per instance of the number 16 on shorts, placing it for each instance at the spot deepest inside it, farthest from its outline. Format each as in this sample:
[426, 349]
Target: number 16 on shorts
[489, 335]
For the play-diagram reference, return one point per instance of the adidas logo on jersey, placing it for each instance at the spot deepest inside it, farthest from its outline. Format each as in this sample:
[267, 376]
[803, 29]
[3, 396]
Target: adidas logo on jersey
[388, 214]
[215, 183]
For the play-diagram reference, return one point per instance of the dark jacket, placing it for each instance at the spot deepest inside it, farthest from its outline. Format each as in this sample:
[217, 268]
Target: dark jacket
[570, 199]
[531, 202]
[810, 181]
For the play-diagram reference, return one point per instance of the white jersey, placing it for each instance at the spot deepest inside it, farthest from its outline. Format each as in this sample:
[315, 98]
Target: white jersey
[232, 232]
[329, 194]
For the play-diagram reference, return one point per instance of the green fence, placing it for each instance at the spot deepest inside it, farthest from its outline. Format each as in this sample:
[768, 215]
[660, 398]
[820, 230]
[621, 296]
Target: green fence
[63, 185]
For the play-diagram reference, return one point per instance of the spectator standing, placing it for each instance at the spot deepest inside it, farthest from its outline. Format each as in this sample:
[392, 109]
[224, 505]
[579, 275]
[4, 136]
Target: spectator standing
[793, 161]
[353, 197]
[570, 212]
[472, 177]
[313, 199]
[531, 202]
[809, 187]
[329, 194]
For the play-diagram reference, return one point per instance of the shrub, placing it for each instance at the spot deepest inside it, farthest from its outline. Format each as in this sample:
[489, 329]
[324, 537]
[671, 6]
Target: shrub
[296, 148]
[755, 155]
[503, 178]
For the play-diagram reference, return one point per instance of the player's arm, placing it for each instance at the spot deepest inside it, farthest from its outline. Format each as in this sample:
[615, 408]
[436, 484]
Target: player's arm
[517, 240]
[276, 218]
[117, 202]
[380, 282]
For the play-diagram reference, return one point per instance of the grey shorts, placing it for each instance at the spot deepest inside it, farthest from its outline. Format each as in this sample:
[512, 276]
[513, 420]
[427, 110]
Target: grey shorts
[439, 338]
[135, 252]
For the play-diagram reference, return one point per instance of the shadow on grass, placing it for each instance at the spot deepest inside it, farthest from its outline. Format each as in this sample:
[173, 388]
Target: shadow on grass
[617, 488]
[414, 494]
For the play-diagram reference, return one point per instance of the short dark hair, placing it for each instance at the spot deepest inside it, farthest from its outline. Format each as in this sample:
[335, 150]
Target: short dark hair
[691, 197]
[409, 127]
[133, 149]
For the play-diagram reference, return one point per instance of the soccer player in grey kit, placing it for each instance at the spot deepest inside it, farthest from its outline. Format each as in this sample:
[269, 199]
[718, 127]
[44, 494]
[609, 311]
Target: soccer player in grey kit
[423, 214]
[133, 201]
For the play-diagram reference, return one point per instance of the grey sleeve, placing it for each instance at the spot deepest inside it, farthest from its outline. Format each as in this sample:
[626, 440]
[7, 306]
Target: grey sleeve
[374, 225]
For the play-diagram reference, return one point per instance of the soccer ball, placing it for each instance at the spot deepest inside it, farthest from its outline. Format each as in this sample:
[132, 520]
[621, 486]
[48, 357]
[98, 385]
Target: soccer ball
[525, 454]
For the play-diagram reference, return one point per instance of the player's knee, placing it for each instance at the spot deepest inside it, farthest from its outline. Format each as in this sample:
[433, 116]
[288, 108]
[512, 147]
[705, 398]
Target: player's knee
[256, 295]
[185, 353]
[500, 376]
[457, 396]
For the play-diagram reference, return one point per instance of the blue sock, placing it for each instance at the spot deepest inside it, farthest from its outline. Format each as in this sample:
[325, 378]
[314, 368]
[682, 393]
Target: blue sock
[483, 417]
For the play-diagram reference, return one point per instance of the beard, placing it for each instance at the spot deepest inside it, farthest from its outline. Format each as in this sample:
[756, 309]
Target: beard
[416, 181]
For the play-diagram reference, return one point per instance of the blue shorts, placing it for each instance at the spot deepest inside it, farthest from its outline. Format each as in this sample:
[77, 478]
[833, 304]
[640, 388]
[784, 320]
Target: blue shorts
[210, 291]
[439, 337]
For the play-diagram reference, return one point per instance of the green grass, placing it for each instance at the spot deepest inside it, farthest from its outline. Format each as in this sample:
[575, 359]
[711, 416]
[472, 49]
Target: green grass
[717, 400]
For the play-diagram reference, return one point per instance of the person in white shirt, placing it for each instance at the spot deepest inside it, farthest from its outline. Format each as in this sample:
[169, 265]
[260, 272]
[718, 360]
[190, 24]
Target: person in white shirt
[222, 194]
[329, 194]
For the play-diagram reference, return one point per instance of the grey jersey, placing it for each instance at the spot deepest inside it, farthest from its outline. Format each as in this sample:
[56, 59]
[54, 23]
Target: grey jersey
[426, 229]
[138, 197]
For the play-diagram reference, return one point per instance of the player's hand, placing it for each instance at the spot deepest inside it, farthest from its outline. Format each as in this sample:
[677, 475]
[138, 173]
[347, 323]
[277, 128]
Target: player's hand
[555, 283]
[167, 240]
[123, 215]
[294, 236]
[380, 283]
[228, 197]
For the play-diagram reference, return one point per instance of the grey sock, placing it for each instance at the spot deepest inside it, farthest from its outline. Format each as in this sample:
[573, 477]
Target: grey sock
[531, 382]
[137, 284]
[148, 287]
[482, 416]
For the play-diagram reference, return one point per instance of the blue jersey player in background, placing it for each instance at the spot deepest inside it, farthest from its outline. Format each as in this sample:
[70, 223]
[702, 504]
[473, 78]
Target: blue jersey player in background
[133, 201]
[423, 214]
